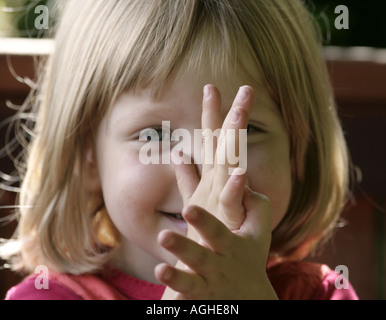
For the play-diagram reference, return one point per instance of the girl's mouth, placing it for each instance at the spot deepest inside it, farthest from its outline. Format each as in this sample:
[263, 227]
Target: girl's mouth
[175, 221]
[176, 216]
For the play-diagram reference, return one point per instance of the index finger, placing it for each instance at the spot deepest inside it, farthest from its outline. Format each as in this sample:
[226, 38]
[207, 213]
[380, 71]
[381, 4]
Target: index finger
[211, 121]
[236, 120]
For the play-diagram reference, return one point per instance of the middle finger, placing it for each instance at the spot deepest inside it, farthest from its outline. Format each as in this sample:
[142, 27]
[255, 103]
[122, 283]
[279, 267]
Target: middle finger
[229, 142]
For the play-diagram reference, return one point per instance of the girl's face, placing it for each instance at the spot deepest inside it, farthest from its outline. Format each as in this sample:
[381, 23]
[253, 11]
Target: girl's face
[141, 198]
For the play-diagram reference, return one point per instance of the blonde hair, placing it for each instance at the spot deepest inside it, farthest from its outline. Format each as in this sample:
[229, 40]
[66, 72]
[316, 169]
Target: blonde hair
[104, 48]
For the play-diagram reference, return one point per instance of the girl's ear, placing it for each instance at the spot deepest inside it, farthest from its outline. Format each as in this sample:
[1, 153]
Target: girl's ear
[89, 167]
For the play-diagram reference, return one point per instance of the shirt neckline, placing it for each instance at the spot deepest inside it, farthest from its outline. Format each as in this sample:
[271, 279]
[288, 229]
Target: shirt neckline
[131, 287]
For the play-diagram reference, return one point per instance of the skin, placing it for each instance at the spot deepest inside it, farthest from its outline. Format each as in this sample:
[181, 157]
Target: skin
[227, 227]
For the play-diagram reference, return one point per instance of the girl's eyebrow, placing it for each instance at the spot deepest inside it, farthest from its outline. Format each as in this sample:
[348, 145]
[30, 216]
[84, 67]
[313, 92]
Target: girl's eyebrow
[264, 101]
[148, 113]
[265, 107]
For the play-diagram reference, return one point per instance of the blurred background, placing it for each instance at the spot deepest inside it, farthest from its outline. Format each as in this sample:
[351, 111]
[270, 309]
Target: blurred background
[367, 23]
[356, 59]
[17, 18]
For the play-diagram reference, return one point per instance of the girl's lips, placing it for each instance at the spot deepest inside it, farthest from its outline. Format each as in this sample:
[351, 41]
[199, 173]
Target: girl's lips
[177, 216]
[177, 220]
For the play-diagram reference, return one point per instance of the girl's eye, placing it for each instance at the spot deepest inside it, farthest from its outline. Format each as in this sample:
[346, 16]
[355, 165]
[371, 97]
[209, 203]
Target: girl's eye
[252, 129]
[153, 135]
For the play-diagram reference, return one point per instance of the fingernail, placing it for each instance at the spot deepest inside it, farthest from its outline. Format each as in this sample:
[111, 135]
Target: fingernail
[235, 178]
[190, 215]
[235, 115]
[242, 94]
[167, 275]
[237, 173]
[207, 92]
[168, 241]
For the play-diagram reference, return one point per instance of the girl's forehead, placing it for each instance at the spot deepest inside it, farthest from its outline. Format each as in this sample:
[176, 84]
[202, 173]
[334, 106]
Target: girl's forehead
[185, 93]
[228, 85]
[185, 80]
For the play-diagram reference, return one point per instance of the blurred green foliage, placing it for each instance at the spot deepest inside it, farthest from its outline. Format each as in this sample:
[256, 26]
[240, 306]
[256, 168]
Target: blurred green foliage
[17, 18]
[367, 20]
[26, 22]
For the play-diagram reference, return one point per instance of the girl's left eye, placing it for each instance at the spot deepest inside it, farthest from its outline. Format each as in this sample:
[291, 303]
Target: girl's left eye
[158, 134]
[153, 135]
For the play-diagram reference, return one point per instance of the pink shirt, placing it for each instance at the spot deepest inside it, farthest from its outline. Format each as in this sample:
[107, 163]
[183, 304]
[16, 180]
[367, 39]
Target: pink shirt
[110, 285]
[291, 281]
[300, 280]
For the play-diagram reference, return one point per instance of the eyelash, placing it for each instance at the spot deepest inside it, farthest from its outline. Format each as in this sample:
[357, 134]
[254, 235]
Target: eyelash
[151, 129]
[251, 129]
[255, 129]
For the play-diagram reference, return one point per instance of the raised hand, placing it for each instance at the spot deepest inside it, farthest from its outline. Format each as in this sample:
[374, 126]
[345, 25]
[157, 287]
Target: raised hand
[225, 264]
[225, 252]
[214, 192]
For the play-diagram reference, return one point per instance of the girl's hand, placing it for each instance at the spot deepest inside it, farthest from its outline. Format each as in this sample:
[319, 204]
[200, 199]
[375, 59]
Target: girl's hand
[214, 191]
[225, 252]
[224, 265]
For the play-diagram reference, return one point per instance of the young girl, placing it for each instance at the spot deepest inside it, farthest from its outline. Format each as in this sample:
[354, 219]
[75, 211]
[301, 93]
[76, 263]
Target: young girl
[104, 225]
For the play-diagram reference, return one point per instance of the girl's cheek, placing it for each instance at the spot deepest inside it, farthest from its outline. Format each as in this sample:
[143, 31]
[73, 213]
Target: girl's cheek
[269, 173]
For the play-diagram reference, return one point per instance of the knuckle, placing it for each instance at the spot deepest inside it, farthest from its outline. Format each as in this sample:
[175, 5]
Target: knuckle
[189, 288]
[221, 141]
[225, 199]
[201, 259]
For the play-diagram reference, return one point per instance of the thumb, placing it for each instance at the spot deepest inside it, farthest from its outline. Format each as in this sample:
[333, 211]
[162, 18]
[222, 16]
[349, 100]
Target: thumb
[258, 213]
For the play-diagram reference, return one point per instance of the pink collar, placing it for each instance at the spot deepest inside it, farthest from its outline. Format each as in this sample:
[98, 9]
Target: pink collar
[132, 288]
